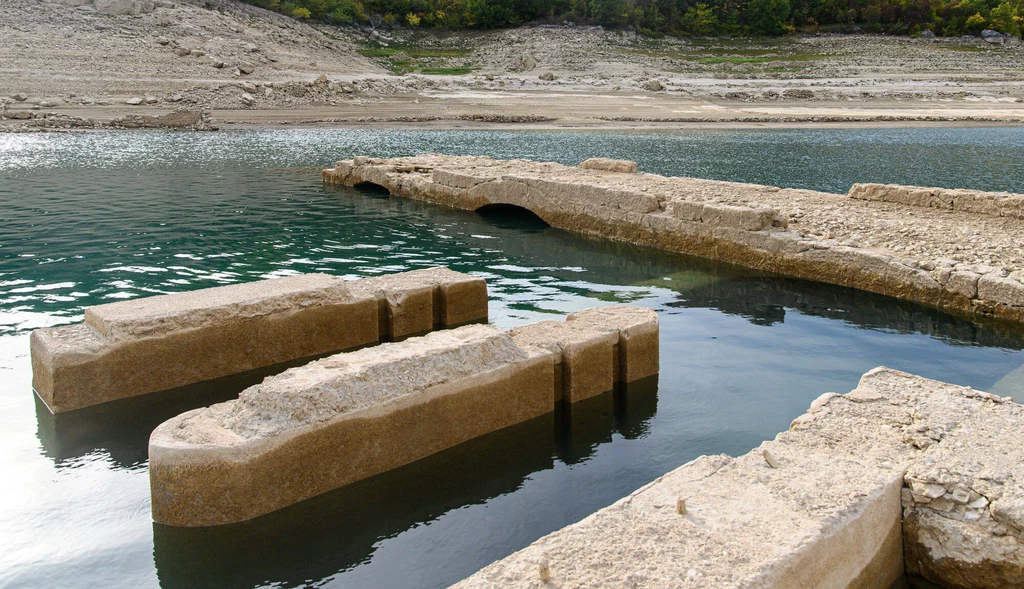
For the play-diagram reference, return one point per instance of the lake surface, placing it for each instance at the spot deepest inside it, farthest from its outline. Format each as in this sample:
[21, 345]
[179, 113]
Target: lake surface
[91, 218]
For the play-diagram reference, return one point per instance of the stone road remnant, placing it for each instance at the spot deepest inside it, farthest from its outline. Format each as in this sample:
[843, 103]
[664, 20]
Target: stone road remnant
[145, 345]
[832, 510]
[958, 250]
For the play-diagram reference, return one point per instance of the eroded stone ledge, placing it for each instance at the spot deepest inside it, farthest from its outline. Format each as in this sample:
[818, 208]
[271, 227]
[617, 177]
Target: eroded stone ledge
[151, 344]
[353, 415]
[824, 505]
[963, 257]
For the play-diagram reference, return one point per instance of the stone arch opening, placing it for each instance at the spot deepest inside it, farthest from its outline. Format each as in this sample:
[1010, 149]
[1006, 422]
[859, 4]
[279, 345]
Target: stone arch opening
[512, 216]
[372, 189]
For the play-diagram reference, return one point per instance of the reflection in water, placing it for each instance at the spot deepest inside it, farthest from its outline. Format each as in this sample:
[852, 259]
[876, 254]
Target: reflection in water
[98, 217]
[340, 529]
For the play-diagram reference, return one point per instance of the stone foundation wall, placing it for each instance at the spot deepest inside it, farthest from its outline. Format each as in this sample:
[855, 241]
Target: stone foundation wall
[353, 415]
[761, 227]
[901, 465]
[151, 344]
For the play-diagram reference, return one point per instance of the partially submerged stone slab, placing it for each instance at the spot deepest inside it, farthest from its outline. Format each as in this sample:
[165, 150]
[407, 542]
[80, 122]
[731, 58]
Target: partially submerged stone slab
[911, 245]
[824, 505]
[341, 419]
[151, 344]
[595, 348]
[418, 301]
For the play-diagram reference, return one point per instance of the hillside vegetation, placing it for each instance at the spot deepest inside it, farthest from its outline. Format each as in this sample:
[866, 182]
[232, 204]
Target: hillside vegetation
[676, 17]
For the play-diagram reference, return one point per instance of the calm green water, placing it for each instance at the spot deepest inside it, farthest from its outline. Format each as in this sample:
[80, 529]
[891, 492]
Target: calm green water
[86, 219]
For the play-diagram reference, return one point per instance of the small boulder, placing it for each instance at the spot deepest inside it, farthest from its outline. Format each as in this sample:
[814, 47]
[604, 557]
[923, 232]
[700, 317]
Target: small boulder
[245, 69]
[163, 41]
[135, 101]
[150, 99]
[249, 87]
[182, 51]
[49, 103]
[176, 98]
[20, 97]
[928, 34]
[994, 37]
[524, 63]
[547, 77]
[20, 115]
[654, 85]
[321, 80]
[248, 99]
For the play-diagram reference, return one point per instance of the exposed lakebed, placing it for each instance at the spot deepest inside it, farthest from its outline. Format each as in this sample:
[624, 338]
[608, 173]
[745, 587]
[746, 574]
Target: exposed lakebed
[91, 218]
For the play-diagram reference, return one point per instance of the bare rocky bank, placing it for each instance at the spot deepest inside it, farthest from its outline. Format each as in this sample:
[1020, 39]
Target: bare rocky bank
[87, 63]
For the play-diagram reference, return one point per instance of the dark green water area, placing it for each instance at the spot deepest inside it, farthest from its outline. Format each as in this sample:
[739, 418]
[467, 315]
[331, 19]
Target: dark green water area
[98, 217]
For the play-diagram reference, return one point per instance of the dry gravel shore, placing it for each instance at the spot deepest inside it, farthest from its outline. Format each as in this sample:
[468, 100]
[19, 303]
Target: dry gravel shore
[76, 63]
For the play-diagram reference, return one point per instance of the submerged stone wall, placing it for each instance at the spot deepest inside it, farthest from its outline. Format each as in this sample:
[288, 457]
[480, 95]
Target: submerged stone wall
[353, 415]
[901, 465]
[962, 258]
[151, 344]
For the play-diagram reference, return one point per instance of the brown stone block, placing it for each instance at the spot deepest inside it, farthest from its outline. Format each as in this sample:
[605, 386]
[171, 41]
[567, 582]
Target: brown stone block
[226, 464]
[638, 341]
[587, 356]
[75, 366]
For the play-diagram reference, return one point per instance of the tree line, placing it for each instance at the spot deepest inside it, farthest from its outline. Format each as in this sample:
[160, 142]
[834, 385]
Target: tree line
[676, 17]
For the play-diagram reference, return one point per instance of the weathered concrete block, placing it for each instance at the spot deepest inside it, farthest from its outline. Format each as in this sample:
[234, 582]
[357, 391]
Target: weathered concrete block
[586, 357]
[341, 419]
[146, 345]
[609, 165]
[638, 343]
[820, 506]
[152, 344]
[597, 348]
[417, 301]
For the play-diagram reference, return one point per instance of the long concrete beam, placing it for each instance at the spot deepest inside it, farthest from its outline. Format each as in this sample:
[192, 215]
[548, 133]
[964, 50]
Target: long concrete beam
[902, 464]
[151, 344]
[353, 415]
[962, 251]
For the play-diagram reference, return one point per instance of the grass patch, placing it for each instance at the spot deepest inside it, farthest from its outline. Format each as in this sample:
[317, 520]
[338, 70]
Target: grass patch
[412, 51]
[446, 71]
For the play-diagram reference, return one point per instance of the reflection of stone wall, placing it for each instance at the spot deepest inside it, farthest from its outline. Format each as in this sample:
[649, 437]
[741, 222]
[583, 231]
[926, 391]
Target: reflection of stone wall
[700, 282]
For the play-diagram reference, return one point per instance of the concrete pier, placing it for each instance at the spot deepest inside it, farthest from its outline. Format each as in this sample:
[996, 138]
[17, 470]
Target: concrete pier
[151, 344]
[900, 467]
[958, 250]
[353, 415]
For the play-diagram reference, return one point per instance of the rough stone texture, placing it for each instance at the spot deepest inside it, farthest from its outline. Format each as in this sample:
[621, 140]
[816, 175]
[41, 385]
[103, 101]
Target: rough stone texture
[585, 357]
[610, 165]
[995, 204]
[820, 506]
[595, 348]
[638, 345]
[347, 417]
[905, 251]
[146, 345]
[420, 300]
